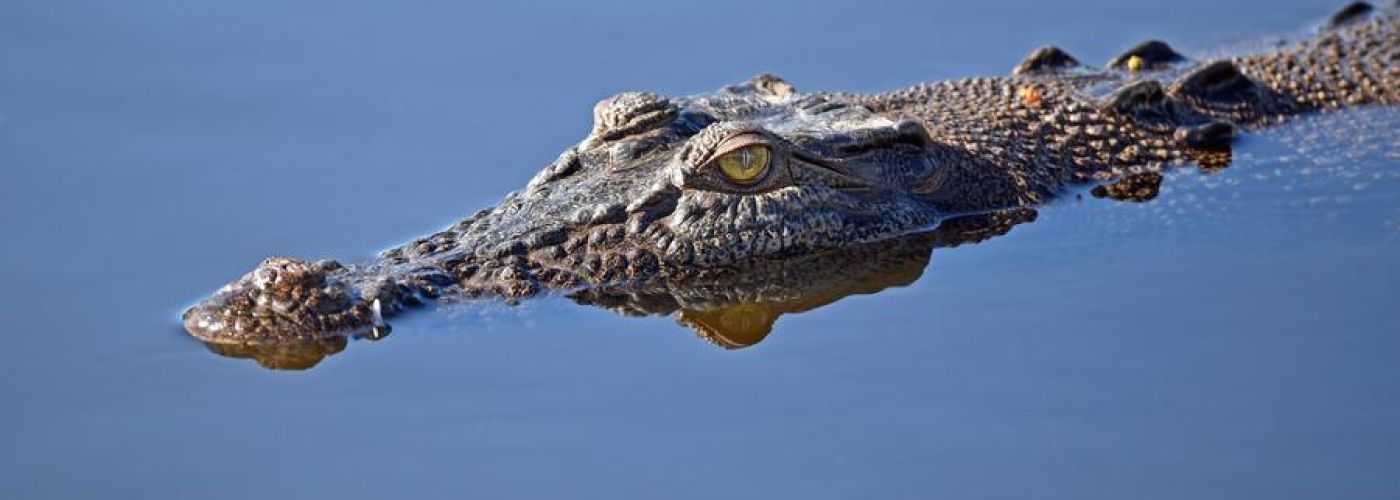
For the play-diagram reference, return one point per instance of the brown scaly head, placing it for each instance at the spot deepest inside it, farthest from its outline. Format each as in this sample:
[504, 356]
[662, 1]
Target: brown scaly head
[660, 187]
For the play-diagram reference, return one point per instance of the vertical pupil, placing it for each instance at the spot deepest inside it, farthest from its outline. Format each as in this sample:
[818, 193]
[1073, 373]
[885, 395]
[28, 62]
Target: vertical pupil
[745, 163]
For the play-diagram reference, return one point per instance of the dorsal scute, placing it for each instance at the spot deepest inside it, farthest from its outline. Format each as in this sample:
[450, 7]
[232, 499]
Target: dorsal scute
[1148, 55]
[1046, 59]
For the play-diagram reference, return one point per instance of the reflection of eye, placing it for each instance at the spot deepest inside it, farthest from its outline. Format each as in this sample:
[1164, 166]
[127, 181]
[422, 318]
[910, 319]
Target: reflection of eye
[745, 164]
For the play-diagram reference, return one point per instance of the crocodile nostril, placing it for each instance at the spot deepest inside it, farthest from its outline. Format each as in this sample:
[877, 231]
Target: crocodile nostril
[284, 276]
[266, 276]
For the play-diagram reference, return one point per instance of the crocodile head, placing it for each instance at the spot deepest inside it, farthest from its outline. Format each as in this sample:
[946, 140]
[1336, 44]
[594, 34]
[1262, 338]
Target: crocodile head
[753, 172]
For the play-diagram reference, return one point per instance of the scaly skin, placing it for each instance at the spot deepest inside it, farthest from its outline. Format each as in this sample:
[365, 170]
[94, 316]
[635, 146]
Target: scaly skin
[640, 202]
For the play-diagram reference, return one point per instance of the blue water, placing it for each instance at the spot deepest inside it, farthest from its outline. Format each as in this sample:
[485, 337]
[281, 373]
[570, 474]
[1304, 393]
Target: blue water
[1235, 338]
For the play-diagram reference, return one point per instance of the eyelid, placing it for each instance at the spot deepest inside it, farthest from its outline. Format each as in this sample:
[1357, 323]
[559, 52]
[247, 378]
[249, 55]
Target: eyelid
[739, 142]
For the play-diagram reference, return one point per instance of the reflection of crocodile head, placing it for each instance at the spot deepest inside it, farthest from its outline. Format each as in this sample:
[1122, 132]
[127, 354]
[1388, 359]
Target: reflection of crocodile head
[665, 188]
[291, 355]
[736, 308]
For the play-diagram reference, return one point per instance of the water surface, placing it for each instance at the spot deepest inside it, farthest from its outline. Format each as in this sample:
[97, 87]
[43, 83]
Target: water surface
[1234, 338]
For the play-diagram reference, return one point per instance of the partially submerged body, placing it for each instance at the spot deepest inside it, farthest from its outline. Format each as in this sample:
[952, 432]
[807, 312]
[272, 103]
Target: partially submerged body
[710, 190]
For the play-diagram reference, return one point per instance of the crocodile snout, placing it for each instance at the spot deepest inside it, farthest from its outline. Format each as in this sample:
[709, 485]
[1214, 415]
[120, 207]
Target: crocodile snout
[282, 299]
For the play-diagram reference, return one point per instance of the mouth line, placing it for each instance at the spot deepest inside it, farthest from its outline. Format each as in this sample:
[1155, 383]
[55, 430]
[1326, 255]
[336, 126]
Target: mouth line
[836, 170]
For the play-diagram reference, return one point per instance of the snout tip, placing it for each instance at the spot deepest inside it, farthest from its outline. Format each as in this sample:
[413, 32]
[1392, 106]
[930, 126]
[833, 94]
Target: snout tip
[281, 300]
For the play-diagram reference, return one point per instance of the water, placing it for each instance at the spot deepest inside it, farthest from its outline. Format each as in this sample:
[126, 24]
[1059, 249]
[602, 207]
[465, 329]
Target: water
[1234, 338]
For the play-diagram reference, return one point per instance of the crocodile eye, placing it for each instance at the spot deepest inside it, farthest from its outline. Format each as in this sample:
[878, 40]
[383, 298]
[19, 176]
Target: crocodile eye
[745, 164]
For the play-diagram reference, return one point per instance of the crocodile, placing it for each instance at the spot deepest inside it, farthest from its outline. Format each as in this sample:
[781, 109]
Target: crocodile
[666, 192]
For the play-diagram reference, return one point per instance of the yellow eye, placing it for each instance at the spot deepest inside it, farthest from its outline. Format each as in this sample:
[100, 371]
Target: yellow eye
[745, 164]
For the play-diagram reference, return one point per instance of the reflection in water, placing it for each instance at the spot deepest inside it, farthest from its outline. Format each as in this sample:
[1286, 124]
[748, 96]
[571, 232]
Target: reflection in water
[1211, 160]
[282, 355]
[1145, 186]
[732, 327]
[737, 308]
[292, 355]
[1136, 188]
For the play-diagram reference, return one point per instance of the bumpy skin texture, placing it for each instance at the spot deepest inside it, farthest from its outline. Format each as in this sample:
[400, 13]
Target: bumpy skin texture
[640, 201]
